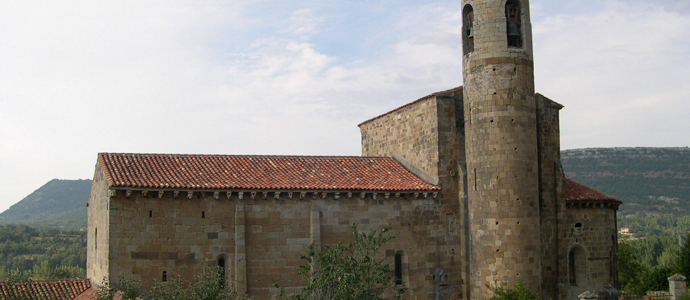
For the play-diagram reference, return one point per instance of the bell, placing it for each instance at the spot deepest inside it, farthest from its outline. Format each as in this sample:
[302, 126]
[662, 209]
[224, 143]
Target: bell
[470, 33]
[513, 30]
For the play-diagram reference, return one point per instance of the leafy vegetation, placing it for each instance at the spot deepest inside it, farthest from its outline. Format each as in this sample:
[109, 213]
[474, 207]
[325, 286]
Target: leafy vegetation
[29, 253]
[519, 292]
[646, 264]
[206, 286]
[348, 271]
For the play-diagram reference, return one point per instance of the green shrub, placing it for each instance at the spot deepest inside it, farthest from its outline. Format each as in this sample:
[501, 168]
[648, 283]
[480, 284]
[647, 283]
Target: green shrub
[519, 292]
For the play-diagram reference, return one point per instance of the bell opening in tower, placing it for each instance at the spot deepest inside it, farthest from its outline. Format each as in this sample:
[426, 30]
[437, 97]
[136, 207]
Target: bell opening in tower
[513, 24]
[467, 29]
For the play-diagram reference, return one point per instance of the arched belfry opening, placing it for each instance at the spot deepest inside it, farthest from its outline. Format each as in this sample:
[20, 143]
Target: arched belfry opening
[467, 29]
[514, 23]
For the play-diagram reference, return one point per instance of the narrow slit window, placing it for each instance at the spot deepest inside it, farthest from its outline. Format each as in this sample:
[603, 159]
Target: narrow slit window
[398, 269]
[475, 179]
[572, 275]
[164, 276]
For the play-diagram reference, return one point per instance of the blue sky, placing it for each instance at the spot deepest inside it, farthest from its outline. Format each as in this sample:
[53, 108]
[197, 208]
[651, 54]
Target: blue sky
[296, 77]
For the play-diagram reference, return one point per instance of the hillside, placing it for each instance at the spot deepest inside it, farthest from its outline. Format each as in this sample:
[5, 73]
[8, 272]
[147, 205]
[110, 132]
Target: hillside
[58, 203]
[650, 181]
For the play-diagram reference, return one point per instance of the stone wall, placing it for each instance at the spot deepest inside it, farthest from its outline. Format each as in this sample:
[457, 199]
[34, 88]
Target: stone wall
[261, 235]
[591, 227]
[428, 135]
[551, 195]
[98, 235]
[410, 134]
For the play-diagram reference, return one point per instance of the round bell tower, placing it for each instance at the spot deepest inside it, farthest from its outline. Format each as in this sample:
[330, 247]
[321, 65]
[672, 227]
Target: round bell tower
[501, 145]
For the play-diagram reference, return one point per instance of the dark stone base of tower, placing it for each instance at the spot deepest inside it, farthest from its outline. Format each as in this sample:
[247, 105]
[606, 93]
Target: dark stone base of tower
[469, 180]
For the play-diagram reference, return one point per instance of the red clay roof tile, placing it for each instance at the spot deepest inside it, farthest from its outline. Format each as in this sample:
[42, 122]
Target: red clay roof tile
[182, 171]
[44, 289]
[575, 191]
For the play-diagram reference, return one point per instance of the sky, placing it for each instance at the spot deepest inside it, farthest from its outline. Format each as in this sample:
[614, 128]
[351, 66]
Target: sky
[79, 77]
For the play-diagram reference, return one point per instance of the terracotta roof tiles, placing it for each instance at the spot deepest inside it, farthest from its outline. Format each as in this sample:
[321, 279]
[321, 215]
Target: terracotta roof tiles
[44, 289]
[575, 191]
[181, 171]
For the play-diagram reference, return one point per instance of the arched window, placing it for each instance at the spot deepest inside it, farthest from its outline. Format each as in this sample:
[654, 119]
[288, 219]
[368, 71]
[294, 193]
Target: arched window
[398, 269]
[467, 29]
[165, 276]
[513, 23]
[221, 272]
[578, 268]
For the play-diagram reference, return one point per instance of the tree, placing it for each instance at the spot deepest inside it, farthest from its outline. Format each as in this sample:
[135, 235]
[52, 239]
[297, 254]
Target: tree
[629, 269]
[347, 271]
[683, 262]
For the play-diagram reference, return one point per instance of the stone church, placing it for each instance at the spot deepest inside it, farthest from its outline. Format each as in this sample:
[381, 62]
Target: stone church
[469, 179]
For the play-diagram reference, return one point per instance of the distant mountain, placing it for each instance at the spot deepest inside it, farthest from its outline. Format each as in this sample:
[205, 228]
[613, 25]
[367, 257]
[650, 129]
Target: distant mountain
[649, 181]
[58, 203]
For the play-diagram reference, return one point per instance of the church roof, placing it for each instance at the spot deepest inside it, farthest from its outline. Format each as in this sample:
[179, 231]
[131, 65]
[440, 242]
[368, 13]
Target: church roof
[44, 289]
[182, 171]
[575, 191]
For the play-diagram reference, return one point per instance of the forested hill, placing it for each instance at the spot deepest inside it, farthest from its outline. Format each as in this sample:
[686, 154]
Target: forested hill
[648, 180]
[57, 204]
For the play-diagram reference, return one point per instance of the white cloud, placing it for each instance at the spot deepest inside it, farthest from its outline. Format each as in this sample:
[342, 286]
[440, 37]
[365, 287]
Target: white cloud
[616, 71]
[279, 77]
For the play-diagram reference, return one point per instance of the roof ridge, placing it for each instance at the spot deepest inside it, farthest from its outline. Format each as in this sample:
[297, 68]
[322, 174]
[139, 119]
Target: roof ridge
[412, 103]
[245, 155]
[282, 172]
